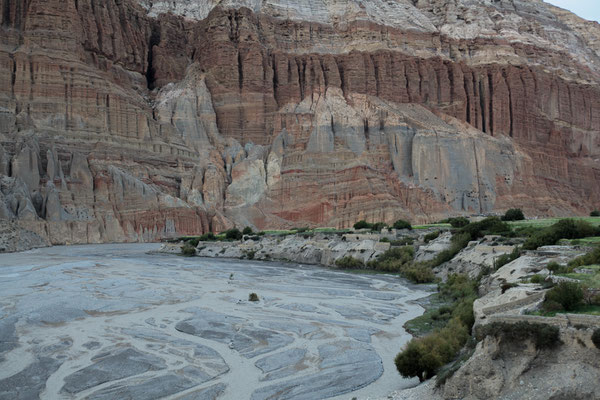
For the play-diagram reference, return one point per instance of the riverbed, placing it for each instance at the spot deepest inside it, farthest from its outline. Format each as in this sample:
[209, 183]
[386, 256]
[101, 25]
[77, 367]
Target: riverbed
[114, 322]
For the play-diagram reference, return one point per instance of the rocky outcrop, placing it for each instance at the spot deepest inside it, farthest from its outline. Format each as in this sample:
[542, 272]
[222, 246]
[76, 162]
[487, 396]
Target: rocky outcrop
[14, 238]
[320, 249]
[138, 120]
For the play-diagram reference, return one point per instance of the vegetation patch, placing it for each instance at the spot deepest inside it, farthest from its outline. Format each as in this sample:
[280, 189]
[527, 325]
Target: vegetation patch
[349, 262]
[253, 297]
[543, 335]
[514, 214]
[431, 236]
[188, 250]
[563, 229]
[423, 357]
[507, 258]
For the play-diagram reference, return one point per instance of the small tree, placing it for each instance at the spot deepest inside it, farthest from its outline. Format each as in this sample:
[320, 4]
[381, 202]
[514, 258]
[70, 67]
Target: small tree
[568, 294]
[362, 224]
[514, 214]
[233, 234]
[402, 224]
[247, 231]
[595, 213]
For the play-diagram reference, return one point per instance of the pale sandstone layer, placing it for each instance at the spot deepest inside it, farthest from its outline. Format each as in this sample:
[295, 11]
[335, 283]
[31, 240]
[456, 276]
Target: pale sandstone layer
[136, 120]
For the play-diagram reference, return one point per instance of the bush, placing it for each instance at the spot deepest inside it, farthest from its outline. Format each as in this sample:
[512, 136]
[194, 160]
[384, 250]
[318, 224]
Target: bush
[507, 258]
[568, 294]
[555, 268]
[385, 240]
[402, 224]
[543, 335]
[458, 242]
[563, 229]
[253, 297]
[349, 262]
[537, 278]
[193, 242]
[595, 213]
[405, 241]
[431, 236]
[208, 237]
[418, 273]
[457, 222]
[507, 286]
[378, 226]
[596, 337]
[514, 214]
[488, 226]
[233, 234]
[247, 231]
[591, 258]
[362, 224]
[188, 250]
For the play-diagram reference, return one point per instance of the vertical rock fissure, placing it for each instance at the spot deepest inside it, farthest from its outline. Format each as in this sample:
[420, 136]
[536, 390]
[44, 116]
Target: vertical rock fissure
[482, 106]
[491, 101]
[240, 70]
[6, 13]
[510, 103]
[153, 41]
[468, 97]
[478, 177]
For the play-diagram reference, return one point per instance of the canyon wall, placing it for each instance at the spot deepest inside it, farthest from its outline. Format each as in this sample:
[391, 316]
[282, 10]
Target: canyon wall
[136, 120]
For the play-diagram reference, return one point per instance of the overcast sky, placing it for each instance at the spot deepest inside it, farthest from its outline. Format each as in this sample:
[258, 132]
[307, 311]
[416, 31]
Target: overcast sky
[588, 9]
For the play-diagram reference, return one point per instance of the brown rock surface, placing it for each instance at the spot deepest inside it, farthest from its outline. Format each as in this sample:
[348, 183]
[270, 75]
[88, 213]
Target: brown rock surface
[135, 120]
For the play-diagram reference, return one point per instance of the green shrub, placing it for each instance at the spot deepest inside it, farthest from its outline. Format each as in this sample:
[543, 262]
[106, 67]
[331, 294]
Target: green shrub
[402, 224]
[233, 234]
[188, 250]
[405, 241]
[568, 294]
[487, 226]
[193, 242]
[208, 237]
[507, 258]
[458, 286]
[253, 297]
[349, 262]
[362, 224]
[555, 268]
[385, 240]
[595, 213]
[247, 231]
[514, 214]
[458, 242]
[596, 337]
[508, 286]
[543, 335]
[591, 258]
[563, 229]
[457, 222]
[418, 273]
[537, 278]
[431, 236]
[378, 226]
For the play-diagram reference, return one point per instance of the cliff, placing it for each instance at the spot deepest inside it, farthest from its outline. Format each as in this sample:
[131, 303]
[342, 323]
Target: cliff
[136, 120]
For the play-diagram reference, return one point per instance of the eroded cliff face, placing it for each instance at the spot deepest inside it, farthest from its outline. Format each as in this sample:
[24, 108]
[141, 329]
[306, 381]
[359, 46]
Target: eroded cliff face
[136, 120]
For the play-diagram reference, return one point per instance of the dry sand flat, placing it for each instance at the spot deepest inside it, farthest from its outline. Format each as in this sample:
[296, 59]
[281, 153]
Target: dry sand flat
[110, 321]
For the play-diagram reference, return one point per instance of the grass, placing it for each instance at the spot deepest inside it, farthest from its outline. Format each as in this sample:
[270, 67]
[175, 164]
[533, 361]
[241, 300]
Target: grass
[432, 319]
[583, 309]
[427, 226]
[585, 241]
[544, 222]
[589, 280]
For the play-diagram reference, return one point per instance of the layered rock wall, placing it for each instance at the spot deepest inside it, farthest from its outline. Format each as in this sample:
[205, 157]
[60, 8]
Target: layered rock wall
[135, 120]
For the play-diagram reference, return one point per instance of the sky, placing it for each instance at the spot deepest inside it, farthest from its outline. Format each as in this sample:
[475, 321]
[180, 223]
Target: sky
[588, 9]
